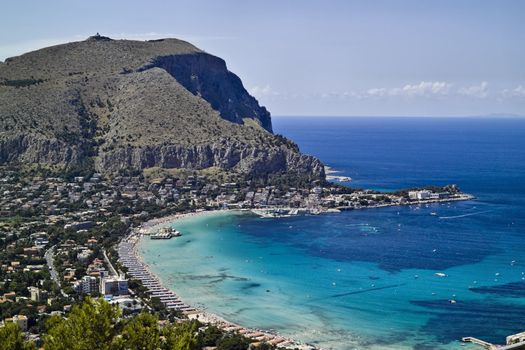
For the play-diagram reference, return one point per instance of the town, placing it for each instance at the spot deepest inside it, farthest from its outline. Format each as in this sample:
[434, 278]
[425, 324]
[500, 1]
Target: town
[60, 235]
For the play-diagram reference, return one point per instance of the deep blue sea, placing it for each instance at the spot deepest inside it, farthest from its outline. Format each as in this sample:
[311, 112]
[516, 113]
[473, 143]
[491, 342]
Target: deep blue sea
[366, 279]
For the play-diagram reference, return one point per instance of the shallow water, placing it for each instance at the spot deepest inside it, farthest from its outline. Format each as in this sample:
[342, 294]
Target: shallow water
[366, 278]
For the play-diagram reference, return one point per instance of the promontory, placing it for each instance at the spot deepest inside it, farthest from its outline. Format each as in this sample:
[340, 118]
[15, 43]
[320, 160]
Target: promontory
[121, 105]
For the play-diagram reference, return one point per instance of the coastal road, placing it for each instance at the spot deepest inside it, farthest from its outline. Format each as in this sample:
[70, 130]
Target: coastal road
[48, 255]
[112, 270]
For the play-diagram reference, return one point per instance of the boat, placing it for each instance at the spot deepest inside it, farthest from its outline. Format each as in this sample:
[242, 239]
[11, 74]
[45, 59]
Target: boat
[166, 233]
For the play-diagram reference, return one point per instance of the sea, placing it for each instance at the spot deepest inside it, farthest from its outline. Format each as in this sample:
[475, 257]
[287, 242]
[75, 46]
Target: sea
[407, 277]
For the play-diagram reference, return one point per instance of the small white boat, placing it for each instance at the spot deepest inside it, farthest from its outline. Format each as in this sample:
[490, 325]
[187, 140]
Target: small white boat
[440, 274]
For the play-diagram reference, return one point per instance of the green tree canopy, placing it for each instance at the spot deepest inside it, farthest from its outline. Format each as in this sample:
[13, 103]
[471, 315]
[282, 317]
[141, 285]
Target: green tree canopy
[97, 325]
[141, 333]
[181, 336]
[89, 326]
[233, 341]
[11, 338]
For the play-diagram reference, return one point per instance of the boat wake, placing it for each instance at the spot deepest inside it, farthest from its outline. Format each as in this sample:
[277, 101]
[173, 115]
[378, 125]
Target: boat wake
[464, 215]
[361, 291]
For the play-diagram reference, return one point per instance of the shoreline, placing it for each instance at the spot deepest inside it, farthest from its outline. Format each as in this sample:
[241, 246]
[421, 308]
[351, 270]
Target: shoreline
[131, 258]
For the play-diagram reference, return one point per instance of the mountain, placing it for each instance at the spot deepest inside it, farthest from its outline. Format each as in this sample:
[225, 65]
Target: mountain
[132, 105]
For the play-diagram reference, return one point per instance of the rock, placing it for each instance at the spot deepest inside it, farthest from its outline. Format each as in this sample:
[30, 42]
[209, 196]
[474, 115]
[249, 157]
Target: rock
[119, 104]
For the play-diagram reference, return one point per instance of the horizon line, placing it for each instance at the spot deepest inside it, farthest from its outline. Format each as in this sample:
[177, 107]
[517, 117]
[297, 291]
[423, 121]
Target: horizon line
[484, 116]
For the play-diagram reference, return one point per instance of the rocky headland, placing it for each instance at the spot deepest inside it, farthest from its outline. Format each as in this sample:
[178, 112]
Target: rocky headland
[121, 105]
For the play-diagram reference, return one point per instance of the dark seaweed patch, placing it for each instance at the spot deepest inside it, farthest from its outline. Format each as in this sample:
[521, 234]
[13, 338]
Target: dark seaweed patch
[486, 320]
[513, 290]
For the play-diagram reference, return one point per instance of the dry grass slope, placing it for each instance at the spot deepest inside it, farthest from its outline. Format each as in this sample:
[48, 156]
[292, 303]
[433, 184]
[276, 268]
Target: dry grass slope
[135, 105]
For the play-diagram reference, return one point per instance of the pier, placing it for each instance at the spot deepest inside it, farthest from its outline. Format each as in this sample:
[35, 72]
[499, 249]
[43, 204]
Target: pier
[514, 342]
[480, 342]
[166, 233]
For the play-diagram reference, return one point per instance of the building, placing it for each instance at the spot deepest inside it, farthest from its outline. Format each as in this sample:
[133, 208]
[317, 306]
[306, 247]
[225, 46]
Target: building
[84, 225]
[114, 286]
[126, 303]
[419, 195]
[516, 338]
[87, 285]
[84, 255]
[37, 294]
[20, 320]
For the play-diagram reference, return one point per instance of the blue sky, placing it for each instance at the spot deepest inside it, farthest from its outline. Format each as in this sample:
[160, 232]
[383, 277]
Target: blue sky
[404, 57]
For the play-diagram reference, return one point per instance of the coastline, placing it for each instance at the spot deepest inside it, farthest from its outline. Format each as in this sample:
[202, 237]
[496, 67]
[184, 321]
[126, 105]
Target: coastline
[131, 258]
[156, 286]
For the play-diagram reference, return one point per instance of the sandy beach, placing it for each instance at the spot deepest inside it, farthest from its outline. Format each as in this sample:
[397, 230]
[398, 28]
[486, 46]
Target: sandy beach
[137, 268]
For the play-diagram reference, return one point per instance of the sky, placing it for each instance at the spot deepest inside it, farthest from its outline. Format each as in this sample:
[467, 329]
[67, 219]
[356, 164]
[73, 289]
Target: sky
[319, 57]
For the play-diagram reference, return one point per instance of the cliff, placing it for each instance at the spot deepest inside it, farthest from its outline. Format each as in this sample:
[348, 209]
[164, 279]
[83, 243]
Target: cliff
[120, 104]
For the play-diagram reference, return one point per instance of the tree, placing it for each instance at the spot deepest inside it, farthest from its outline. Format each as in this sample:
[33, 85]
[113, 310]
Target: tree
[141, 333]
[265, 346]
[210, 336]
[97, 325]
[11, 338]
[181, 336]
[89, 326]
[233, 341]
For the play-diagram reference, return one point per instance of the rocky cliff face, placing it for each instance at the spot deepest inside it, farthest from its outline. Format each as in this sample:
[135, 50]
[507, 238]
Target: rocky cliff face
[118, 104]
[245, 159]
[206, 76]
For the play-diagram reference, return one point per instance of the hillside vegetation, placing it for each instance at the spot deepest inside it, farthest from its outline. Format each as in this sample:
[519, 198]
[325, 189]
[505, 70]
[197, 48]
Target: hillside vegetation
[118, 105]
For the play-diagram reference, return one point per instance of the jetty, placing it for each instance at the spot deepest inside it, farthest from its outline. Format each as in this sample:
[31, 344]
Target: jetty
[513, 342]
[166, 233]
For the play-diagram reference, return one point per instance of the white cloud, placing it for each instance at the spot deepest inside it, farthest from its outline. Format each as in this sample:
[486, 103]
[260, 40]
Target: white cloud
[519, 91]
[377, 92]
[424, 89]
[478, 91]
[263, 91]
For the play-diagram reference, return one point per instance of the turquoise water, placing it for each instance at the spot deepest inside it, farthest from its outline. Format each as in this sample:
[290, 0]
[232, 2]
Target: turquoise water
[366, 279]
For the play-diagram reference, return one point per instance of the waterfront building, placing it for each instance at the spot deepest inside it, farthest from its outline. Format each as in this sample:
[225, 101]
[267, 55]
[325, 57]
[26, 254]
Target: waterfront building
[114, 286]
[420, 195]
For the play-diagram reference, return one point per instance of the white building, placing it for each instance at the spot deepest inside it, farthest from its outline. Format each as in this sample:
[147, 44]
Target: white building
[37, 294]
[87, 285]
[20, 320]
[114, 286]
[83, 256]
[420, 195]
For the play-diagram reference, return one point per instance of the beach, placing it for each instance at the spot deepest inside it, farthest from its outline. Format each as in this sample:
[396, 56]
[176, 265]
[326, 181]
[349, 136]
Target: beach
[138, 269]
